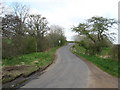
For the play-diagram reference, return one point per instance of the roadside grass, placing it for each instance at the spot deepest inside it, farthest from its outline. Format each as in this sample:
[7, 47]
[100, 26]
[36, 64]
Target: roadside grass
[105, 51]
[106, 64]
[26, 64]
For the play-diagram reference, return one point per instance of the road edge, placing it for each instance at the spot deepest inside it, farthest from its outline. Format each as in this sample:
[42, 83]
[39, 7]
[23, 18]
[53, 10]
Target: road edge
[20, 81]
[92, 83]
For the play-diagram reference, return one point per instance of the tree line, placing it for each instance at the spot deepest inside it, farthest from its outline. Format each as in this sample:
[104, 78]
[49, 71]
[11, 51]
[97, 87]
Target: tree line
[23, 32]
[94, 35]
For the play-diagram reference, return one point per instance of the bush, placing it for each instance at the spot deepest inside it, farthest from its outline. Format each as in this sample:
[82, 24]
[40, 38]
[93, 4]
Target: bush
[54, 38]
[115, 52]
[17, 46]
[43, 44]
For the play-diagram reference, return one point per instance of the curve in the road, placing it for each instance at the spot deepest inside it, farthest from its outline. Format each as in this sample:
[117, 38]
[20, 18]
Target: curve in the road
[69, 71]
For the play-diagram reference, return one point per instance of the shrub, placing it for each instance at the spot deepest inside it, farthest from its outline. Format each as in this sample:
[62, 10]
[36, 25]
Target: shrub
[115, 52]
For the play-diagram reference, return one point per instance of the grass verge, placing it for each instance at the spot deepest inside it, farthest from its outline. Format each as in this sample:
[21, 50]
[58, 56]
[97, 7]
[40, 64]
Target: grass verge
[106, 64]
[26, 64]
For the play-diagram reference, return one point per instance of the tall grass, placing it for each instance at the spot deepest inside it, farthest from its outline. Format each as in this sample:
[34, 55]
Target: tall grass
[39, 59]
[107, 64]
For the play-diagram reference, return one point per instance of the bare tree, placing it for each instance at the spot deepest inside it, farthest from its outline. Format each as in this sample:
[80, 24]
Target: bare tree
[37, 25]
[56, 36]
[21, 11]
[10, 26]
[1, 8]
[56, 29]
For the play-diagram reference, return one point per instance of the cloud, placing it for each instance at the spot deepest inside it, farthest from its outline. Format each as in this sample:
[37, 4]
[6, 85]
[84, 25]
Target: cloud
[74, 11]
[67, 13]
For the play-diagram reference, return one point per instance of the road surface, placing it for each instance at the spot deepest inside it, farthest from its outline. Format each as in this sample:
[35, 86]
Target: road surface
[69, 71]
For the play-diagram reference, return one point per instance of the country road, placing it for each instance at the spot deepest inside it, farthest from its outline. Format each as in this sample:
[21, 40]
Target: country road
[69, 71]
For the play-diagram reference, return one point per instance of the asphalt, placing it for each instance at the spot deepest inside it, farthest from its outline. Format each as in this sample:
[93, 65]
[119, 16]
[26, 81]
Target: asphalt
[68, 71]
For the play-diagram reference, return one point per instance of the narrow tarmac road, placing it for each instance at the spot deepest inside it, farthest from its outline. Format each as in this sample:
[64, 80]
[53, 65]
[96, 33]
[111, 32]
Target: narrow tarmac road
[69, 71]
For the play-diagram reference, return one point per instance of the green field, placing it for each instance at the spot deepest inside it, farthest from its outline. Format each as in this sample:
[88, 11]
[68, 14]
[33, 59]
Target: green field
[26, 64]
[106, 64]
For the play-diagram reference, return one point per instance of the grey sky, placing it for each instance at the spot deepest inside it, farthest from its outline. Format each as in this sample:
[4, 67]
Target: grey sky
[67, 13]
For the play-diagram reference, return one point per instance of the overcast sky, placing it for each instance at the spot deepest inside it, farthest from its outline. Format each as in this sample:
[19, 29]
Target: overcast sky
[67, 13]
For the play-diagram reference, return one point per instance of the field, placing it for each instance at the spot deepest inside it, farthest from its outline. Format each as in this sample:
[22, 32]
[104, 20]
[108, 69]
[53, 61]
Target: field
[102, 60]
